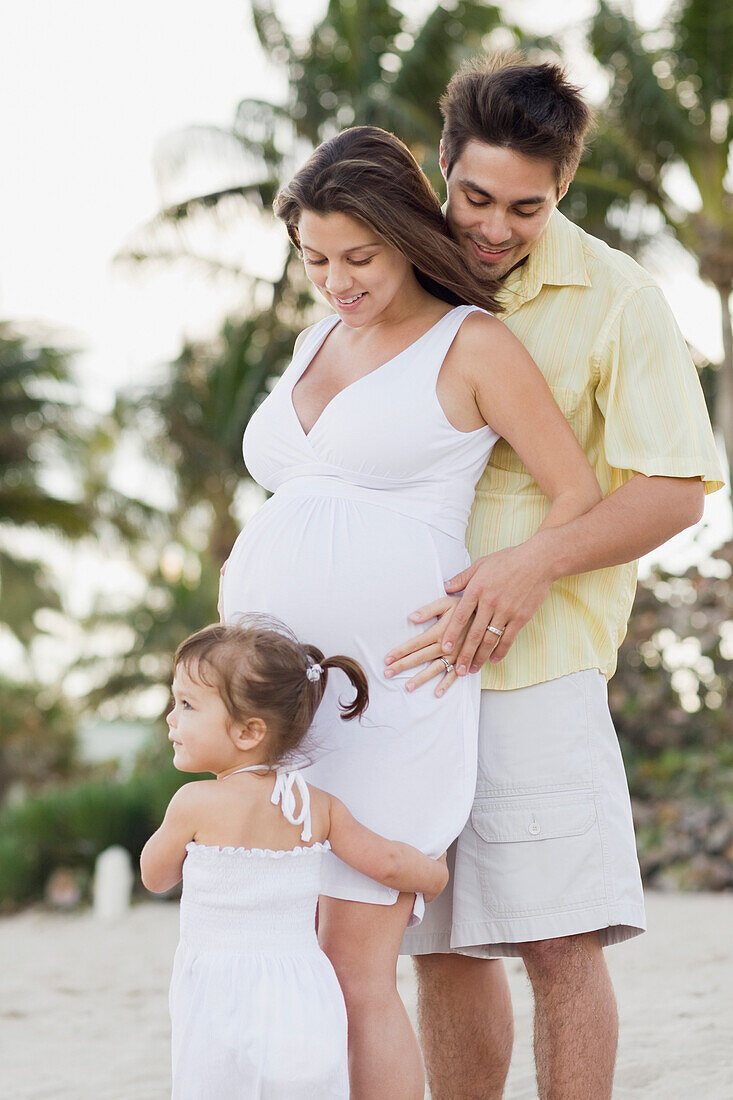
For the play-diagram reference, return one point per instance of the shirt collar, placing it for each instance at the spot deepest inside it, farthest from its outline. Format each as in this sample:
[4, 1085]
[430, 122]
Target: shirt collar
[556, 260]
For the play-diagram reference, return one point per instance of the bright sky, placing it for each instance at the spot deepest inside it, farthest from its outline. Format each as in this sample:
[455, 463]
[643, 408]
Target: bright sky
[87, 92]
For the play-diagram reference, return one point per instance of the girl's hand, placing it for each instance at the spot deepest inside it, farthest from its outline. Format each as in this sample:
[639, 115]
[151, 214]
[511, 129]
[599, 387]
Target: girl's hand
[443, 874]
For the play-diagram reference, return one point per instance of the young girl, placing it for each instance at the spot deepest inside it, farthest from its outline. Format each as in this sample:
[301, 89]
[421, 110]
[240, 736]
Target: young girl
[255, 1005]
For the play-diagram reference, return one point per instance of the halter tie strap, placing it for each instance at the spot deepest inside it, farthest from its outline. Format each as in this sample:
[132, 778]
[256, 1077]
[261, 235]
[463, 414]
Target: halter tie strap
[283, 793]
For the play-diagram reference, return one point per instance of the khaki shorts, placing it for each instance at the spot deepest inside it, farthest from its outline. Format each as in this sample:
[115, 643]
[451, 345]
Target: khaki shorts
[549, 848]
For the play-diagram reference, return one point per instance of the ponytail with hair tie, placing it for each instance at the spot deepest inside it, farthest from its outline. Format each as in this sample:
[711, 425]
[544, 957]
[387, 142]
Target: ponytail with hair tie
[317, 674]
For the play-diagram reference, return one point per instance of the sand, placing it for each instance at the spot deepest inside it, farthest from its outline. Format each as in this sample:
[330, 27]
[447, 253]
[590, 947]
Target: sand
[83, 1009]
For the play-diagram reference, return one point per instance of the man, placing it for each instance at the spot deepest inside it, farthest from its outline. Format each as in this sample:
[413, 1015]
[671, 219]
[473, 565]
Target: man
[546, 867]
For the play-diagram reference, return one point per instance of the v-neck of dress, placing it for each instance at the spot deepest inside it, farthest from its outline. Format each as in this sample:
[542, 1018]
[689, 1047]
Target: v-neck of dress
[350, 386]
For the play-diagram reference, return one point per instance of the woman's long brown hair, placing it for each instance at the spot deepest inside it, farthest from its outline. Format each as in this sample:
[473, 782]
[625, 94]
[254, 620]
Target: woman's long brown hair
[371, 175]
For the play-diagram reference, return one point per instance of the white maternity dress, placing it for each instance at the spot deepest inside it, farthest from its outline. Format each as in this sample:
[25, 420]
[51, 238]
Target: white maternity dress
[366, 521]
[256, 1009]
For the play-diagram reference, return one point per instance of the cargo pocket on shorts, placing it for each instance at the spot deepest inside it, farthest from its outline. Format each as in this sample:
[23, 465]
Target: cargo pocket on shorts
[540, 854]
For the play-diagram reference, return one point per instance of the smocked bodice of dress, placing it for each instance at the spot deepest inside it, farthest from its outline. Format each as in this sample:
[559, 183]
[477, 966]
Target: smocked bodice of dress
[250, 899]
[255, 899]
[384, 439]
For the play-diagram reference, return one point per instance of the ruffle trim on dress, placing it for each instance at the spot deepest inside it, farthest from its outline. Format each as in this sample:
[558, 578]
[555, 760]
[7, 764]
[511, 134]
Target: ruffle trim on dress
[261, 853]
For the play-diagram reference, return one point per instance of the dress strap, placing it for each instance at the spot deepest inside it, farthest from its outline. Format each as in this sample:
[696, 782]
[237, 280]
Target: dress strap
[251, 768]
[284, 794]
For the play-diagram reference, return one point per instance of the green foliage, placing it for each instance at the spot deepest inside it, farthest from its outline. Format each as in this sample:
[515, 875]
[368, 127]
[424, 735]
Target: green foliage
[671, 696]
[69, 826]
[669, 113]
[36, 735]
[39, 426]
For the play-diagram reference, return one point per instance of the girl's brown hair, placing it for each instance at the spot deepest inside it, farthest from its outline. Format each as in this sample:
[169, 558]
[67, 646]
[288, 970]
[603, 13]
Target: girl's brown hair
[371, 175]
[261, 670]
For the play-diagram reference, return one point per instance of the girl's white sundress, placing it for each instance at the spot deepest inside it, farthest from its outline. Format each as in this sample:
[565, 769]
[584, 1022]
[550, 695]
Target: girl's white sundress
[367, 520]
[256, 1009]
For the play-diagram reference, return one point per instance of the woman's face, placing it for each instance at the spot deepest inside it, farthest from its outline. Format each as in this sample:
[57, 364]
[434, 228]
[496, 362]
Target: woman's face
[356, 271]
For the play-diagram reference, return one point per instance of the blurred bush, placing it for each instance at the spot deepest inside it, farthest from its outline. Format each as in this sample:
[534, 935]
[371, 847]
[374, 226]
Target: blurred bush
[68, 826]
[673, 707]
[36, 736]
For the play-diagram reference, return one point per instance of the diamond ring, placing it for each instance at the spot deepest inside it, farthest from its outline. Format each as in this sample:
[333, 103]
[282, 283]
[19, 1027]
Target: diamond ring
[446, 662]
[495, 630]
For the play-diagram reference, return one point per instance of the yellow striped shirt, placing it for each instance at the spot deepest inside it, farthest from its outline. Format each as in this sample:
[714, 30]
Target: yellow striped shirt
[605, 339]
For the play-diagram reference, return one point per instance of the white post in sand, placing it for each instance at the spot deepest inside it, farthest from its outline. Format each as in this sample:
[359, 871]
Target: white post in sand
[112, 883]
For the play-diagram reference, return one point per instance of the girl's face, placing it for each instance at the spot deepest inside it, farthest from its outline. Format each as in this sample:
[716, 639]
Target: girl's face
[199, 727]
[356, 271]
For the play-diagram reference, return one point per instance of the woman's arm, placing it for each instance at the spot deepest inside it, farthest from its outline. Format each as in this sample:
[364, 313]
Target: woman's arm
[513, 397]
[390, 862]
[161, 860]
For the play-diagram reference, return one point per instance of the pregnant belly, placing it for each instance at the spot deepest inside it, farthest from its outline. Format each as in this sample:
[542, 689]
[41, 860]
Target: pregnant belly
[345, 576]
[341, 574]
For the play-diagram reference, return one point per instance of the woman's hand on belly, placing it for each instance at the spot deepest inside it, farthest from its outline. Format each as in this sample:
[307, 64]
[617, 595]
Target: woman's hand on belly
[426, 648]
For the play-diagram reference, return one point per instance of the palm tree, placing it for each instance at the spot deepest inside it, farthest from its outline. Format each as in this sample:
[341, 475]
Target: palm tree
[363, 63]
[669, 110]
[39, 425]
[44, 430]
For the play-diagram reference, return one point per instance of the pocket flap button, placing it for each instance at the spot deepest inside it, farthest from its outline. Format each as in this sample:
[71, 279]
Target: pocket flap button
[534, 828]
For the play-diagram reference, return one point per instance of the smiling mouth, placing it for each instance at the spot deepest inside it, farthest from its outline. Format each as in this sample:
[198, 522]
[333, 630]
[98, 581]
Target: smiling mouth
[490, 251]
[350, 301]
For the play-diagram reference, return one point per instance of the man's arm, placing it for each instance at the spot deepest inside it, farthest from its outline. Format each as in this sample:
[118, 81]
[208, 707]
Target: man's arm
[636, 518]
[510, 586]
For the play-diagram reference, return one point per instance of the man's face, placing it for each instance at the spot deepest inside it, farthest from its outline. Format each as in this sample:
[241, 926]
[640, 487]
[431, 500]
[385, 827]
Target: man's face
[499, 203]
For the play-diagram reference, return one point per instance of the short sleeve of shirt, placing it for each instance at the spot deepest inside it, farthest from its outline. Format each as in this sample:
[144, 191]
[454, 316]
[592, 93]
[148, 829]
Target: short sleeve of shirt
[656, 421]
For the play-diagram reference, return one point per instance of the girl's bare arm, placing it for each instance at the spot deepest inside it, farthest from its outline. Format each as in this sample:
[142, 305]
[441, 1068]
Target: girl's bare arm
[161, 860]
[390, 862]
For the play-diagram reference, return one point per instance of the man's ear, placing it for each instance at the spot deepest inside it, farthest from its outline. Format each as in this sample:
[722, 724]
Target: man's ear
[443, 163]
[249, 735]
[562, 190]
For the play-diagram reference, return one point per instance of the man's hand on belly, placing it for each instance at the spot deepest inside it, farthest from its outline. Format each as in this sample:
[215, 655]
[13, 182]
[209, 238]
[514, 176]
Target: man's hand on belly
[502, 590]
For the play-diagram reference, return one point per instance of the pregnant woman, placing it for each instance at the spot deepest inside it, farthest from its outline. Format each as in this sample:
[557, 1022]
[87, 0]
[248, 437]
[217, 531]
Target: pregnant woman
[371, 444]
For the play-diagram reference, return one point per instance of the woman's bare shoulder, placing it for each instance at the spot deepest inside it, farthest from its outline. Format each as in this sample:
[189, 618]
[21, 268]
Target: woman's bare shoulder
[484, 341]
[484, 329]
[300, 338]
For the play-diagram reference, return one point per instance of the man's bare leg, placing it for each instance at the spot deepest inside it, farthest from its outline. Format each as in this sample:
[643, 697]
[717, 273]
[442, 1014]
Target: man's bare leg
[466, 1026]
[576, 1022]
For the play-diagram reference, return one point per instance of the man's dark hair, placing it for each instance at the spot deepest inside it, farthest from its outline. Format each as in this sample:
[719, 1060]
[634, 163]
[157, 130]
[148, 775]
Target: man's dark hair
[531, 109]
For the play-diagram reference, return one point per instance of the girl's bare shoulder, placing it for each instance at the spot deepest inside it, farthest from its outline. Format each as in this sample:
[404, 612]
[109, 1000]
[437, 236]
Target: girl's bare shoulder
[196, 792]
[321, 805]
